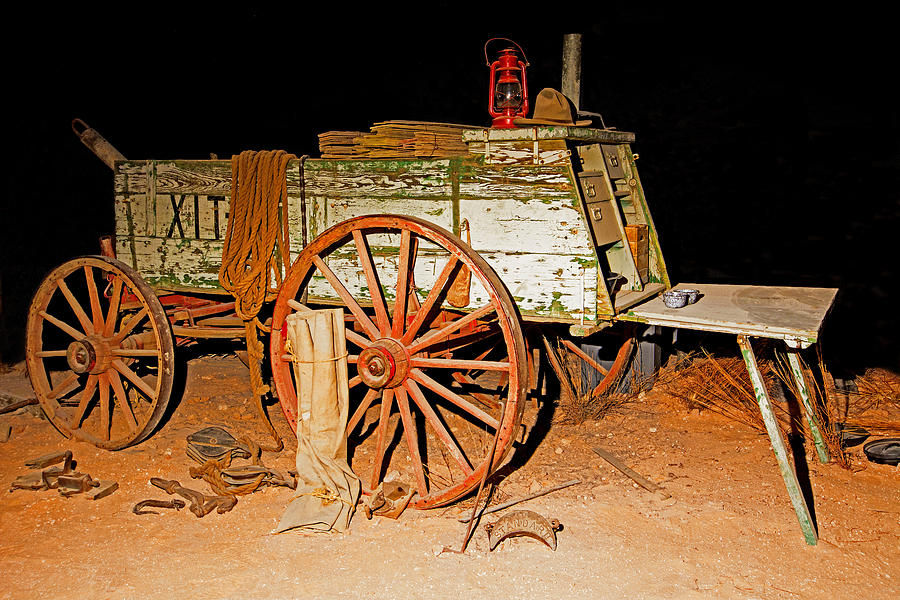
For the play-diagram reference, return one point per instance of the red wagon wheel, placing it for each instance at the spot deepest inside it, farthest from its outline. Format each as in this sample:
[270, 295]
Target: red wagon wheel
[449, 380]
[99, 352]
[608, 377]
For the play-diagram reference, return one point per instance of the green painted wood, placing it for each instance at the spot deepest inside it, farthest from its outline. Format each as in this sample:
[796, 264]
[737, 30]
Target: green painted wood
[550, 132]
[811, 419]
[778, 446]
[658, 271]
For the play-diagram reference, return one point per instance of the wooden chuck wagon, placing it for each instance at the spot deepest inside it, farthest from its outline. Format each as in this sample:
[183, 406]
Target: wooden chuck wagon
[460, 269]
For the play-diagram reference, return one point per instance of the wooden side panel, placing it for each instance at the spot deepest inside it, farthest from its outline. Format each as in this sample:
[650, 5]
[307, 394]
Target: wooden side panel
[527, 277]
[172, 218]
[340, 190]
[550, 286]
[525, 220]
[544, 152]
[179, 264]
[657, 264]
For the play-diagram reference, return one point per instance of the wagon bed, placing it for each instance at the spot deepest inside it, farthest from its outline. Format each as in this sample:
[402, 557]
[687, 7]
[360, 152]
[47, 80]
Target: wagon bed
[523, 194]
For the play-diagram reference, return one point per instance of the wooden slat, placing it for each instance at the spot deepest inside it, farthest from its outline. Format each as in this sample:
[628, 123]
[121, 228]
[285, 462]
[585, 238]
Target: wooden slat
[396, 139]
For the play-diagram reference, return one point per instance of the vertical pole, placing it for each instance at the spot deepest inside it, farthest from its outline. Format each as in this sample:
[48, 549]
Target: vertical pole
[571, 68]
[811, 419]
[787, 470]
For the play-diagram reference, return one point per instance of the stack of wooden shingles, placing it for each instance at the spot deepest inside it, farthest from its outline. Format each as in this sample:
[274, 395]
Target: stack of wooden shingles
[396, 139]
[338, 144]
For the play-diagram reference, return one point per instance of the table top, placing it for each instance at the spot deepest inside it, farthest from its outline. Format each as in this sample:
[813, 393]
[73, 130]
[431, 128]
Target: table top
[789, 313]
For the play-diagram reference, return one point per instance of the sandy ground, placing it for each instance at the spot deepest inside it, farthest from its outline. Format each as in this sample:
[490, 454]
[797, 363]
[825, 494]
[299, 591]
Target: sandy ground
[727, 531]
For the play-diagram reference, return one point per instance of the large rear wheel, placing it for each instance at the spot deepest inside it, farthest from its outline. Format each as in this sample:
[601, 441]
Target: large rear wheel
[432, 386]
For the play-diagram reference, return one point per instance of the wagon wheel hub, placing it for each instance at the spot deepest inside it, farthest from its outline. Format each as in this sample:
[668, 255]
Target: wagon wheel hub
[88, 355]
[384, 364]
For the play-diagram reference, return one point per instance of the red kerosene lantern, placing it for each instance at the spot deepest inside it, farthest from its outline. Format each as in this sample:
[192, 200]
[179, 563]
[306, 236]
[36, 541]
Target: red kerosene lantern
[508, 87]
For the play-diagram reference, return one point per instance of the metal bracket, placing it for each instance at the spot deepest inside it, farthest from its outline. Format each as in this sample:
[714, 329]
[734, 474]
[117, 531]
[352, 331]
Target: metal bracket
[797, 343]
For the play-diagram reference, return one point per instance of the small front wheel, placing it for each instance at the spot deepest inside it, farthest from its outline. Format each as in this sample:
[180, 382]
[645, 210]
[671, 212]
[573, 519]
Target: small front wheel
[99, 352]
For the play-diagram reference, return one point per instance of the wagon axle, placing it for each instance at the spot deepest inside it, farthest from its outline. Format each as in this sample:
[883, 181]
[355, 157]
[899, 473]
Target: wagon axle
[95, 353]
[82, 355]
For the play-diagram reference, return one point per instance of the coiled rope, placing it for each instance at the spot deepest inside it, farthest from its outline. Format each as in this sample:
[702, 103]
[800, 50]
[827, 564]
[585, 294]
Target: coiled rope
[254, 241]
[211, 472]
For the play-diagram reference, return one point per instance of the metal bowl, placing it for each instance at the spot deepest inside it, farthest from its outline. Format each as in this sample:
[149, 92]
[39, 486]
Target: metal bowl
[692, 295]
[675, 298]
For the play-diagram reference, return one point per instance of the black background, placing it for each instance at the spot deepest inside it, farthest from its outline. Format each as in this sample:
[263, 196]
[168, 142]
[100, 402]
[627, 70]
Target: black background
[768, 136]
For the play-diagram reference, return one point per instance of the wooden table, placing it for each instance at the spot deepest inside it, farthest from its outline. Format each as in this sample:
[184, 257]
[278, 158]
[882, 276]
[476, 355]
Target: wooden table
[792, 314]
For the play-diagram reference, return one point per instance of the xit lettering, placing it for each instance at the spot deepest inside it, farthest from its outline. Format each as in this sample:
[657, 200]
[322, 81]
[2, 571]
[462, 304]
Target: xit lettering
[192, 216]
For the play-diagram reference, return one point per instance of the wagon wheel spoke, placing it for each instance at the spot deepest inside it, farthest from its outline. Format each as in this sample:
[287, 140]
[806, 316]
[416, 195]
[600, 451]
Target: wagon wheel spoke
[412, 440]
[121, 399]
[348, 298]
[448, 346]
[61, 324]
[86, 395]
[413, 303]
[69, 383]
[134, 378]
[105, 410]
[114, 301]
[387, 397]
[130, 325]
[93, 294]
[428, 304]
[135, 352]
[357, 339]
[378, 302]
[453, 397]
[436, 336]
[86, 323]
[449, 363]
[402, 294]
[440, 431]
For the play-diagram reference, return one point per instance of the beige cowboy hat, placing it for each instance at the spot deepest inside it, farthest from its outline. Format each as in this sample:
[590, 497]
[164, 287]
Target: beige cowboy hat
[552, 108]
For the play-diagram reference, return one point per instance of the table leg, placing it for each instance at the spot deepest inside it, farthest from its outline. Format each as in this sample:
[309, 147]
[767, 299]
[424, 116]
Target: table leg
[787, 470]
[811, 419]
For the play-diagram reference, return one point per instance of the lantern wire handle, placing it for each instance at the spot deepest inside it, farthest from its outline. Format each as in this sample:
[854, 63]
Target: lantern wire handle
[487, 60]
